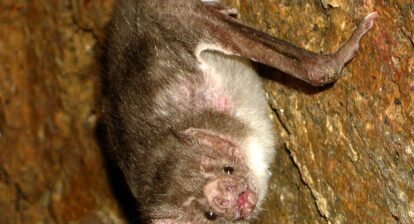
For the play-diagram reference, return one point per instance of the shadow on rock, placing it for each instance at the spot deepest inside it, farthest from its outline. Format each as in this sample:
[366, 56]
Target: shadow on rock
[117, 181]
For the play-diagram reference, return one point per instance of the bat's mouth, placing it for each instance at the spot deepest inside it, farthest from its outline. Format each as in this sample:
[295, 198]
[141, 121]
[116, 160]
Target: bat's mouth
[246, 203]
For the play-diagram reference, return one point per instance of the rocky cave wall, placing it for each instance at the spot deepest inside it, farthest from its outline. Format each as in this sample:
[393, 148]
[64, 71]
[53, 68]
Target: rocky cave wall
[346, 150]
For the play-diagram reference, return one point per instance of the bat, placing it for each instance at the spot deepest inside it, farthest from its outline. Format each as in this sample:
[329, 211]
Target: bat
[186, 112]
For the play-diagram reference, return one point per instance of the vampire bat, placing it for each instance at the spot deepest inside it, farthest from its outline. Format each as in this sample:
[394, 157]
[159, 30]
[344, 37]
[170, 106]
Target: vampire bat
[186, 113]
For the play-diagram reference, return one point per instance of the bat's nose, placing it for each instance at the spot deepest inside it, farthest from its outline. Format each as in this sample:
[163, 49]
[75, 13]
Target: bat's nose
[222, 202]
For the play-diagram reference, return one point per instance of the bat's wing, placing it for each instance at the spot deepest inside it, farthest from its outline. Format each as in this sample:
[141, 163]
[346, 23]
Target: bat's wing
[228, 35]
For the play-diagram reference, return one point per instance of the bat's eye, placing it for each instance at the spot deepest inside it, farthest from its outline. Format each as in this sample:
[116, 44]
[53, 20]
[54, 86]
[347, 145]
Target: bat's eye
[228, 169]
[210, 215]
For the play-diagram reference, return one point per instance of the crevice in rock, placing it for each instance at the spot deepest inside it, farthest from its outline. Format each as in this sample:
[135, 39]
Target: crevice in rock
[282, 123]
[307, 185]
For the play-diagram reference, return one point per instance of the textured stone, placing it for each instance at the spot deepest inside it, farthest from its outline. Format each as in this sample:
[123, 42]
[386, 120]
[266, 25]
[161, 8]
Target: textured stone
[347, 150]
[51, 168]
[348, 147]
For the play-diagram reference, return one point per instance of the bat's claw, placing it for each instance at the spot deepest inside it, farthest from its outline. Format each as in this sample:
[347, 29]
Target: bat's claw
[371, 16]
[222, 7]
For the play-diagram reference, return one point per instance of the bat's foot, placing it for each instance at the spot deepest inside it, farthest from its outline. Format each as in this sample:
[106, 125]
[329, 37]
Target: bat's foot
[222, 7]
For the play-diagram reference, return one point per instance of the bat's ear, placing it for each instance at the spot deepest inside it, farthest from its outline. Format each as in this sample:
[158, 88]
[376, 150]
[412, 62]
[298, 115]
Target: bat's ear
[208, 140]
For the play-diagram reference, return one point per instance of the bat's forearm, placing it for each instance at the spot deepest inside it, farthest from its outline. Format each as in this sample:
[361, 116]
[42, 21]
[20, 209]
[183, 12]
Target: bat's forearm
[316, 69]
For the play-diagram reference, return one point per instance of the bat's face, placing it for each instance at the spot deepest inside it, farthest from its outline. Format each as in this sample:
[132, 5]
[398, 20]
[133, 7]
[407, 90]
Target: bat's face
[226, 192]
[218, 190]
[229, 194]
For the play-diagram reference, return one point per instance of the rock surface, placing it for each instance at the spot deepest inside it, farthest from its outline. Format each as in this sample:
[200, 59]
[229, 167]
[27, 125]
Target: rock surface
[51, 168]
[347, 150]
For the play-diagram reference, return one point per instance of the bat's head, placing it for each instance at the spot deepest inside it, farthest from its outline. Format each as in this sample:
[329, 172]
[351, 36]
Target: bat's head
[210, 186]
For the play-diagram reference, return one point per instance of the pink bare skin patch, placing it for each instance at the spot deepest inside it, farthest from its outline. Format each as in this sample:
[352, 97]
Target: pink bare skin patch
[208, 95]
[247, 203]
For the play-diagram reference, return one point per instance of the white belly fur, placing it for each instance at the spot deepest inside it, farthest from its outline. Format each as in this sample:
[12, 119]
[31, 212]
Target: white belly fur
[238, 80]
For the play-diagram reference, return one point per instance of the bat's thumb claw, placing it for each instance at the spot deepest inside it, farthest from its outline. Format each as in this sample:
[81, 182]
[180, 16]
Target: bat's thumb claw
[372, 16]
